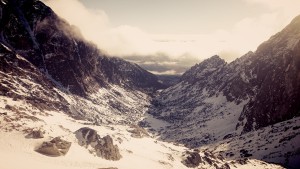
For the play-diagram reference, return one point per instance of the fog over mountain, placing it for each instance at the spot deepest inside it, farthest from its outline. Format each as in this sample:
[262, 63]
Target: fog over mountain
[182, 33]
[66, 103]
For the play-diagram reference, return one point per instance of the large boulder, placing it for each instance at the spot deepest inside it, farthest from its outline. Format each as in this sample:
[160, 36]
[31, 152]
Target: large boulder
[102, 147]
[56, 147]
[192, 159]
[87, 136]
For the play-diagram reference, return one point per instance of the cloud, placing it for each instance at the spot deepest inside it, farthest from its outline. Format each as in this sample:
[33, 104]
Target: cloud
[168, 72]
[161, 63]
[177, 52]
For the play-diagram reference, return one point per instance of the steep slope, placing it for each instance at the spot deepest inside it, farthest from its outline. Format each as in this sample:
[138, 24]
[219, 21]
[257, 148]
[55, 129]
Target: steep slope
[92, 86]
[206, 104]
[20, 80]
[277, 66]
[215, 100]
[30, 102]
[278, 143]
[34, 31]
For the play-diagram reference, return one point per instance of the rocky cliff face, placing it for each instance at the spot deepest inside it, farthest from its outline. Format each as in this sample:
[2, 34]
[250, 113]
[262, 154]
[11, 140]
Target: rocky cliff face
[46, 51]
[216, 100]
[277, 66]
[34, 31]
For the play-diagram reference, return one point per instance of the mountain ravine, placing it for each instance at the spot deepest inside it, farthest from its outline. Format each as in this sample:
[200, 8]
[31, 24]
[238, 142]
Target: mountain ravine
[65, 104]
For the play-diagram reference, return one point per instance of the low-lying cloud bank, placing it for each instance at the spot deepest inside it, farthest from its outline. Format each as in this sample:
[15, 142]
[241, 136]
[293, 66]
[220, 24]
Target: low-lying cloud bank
[174, 53]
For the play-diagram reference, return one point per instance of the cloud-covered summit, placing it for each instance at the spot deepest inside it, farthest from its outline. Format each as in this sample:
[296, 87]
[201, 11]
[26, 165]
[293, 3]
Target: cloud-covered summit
[175, 52]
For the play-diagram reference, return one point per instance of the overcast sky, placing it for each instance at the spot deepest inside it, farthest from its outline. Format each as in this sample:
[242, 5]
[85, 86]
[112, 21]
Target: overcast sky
[169, 36]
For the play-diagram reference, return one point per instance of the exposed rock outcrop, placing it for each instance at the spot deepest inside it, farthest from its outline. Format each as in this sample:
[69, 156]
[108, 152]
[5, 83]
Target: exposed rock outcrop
[259, 89]
[35, 134]
[102, 147]
[192, 160]
[38, 46]
[55, 147]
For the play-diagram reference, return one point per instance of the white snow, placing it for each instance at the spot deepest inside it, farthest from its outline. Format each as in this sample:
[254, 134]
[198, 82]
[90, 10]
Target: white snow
[137, 153]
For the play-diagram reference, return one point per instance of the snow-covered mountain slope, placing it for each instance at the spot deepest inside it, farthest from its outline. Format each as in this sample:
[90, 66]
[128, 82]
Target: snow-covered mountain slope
[34, 31]
[53, 83]
[44, 61]
[21, 81]
[215, 100]
[278, 143]
[18, 148]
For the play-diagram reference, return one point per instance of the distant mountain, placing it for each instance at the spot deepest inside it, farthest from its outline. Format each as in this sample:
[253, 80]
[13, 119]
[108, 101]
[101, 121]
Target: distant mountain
[215, 100]
[168, 80]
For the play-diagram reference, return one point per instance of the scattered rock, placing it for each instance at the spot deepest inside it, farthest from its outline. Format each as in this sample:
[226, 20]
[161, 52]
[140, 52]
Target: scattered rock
[138, 132]
[129, 151]
[106, 149]
[228, 136]
[103, 147]
[242, 161]
[36, 134]
[225, 166]
[245, 153]
[119, 140]
[3, 114]
[208, 160]
[165, 163]
[192, 160]
[11, 108]
[56, 147]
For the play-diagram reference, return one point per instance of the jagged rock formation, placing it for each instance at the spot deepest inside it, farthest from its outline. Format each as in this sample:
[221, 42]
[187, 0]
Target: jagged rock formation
[51, 44]
[192, 160]
[277, 66]
[18, 77]
[276, 143]
[103, 147]
[206, 159]
[55, 147]
[45, 49]
[46, 68]
[254, 91]
[215, 100]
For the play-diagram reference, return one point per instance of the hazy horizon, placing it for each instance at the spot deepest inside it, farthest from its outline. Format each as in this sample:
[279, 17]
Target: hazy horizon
[167, 37]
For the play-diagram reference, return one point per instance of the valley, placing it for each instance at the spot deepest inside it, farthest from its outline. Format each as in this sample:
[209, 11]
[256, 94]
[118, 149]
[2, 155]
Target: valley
[66, 104]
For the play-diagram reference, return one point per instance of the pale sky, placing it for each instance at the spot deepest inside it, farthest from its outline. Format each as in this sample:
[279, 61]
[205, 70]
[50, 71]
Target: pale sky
[169, 36]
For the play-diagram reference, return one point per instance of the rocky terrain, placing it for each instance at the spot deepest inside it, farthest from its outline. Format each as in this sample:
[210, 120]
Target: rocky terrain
[215, 100]
[62, 97]
[56, 61]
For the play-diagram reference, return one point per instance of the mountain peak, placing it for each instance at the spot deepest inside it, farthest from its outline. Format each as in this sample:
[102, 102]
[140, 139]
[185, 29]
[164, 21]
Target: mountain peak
[296, 20]
[287, 39]
[203, 68]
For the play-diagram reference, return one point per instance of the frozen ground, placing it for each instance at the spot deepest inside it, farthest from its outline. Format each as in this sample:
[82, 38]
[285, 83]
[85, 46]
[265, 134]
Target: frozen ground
[17, 151]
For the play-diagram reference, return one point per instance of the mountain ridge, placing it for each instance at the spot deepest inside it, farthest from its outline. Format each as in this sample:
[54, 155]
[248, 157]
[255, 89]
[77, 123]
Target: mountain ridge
[216, 100]
[79, 72]
[229, 115]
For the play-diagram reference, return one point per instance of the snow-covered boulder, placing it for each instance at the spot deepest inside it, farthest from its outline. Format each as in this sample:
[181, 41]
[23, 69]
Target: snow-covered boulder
[102, 147]
[55, 147]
